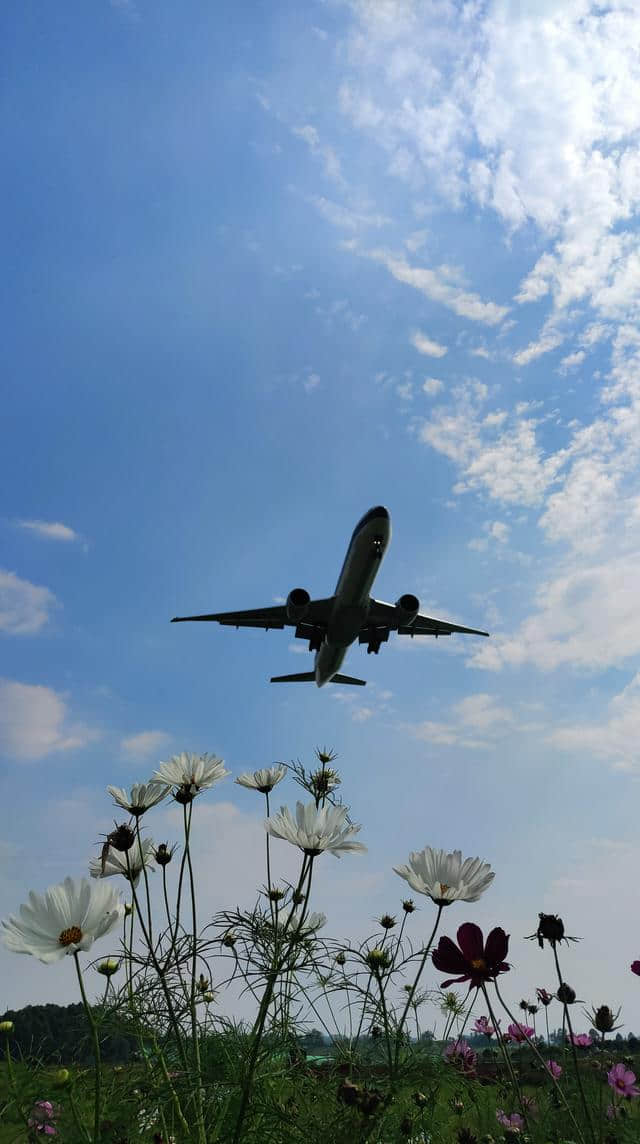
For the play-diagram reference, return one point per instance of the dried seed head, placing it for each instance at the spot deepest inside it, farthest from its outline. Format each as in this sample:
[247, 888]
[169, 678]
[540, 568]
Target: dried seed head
[387, 922]
[408, 906]
[163, 854]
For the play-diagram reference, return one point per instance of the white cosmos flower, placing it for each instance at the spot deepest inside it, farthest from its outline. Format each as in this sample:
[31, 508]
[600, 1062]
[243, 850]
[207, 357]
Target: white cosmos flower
[116, 861]
[312, 923]
[445, 878]
[68, 917]
[263, 780]
[143, 796]
[192, 773]
[315, 829]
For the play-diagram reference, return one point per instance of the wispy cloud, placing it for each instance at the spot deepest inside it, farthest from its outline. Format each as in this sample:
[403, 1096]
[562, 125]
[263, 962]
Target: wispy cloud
[144, 744]
[49, 530]
[24, 607]
[427, 346]
[440, 285]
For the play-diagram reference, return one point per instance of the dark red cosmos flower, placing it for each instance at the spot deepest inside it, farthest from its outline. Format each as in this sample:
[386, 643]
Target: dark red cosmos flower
[635, 968]
[475, 960]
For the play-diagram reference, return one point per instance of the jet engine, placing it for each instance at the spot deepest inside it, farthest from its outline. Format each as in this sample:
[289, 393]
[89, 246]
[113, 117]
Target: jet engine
[407, 608]
[298, 602]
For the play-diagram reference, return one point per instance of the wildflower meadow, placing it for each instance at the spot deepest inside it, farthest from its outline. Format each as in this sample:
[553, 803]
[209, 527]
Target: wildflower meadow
[384, 1075]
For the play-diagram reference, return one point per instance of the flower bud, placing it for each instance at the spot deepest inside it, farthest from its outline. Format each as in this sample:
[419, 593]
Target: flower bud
[209, 997]
[408, 906]
[340, 958]
[229, 939]
[604, 1020]
[387, 922]
[128, 909]
[297, 898]
[550, 927]
[566, 994]
[203, 984]
[62, 1076]
[275, 895]
[378, 960]
[122, 838]
[109, 967]
[162, 854]
[325, 756]
[419, 1099]
[375, 1032]
[348, 1092]
[6, 1026]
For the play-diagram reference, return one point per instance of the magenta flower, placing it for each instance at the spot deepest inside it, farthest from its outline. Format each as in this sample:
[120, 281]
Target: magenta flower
[582, 1040]
[622, 1081]
[42, 1114]
[475, 960]
[515, 1121]
[482, 1026]
[519, 1033]
[635, 967]
[554, 1068]
[460, 1054]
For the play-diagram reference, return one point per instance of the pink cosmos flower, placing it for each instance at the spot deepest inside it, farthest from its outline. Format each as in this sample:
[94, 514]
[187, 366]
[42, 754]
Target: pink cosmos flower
[622, 1081]
[554, 1068]
[582, 1040]
[482, 1026]
[635, 967]
[461, 1054]
[519, 1033]
[42, 1114]
[514, 1121]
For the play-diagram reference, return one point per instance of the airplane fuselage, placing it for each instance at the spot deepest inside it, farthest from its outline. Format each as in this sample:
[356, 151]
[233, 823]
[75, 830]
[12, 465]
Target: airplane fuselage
[365, 553]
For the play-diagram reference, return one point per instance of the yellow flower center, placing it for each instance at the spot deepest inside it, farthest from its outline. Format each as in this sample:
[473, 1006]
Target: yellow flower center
[443, 888]
[479, 963]
[70, 936]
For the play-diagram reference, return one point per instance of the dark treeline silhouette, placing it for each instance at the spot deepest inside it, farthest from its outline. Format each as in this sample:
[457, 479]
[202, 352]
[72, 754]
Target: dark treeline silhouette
[59, 1034]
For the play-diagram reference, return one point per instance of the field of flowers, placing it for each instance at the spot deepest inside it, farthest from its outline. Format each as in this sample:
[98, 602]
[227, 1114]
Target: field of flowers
[202, 1077]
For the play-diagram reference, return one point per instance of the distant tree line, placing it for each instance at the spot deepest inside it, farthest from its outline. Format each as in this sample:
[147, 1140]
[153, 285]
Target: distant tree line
[60, 1034]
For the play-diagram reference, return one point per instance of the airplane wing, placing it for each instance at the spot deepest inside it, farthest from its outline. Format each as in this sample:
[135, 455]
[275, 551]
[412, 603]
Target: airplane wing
[316, 616]
[385, 616]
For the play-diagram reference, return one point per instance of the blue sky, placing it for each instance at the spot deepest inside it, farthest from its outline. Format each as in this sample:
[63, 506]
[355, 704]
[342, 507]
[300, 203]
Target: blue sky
[265, 266]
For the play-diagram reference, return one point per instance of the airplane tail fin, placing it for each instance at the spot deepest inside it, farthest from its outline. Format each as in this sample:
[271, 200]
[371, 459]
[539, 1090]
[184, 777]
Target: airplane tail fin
[309, 677]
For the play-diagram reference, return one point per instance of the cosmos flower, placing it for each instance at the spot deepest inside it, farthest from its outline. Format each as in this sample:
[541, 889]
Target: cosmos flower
[635, 967]
[116, 863]
[483, 1027]
[554, 1068]
[445, 878]
[622, 1081]
[263, 780]
[69, 917]
[191, 774]
[474, 960]
[543, 997]
[143, 796]
[42, 1116]
[461, 1054]
[519, 1033]
[515, 1121]
[315, 829]
[581, 1040]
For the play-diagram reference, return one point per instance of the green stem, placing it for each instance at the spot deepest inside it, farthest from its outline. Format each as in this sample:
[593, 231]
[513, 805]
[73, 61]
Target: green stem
[415, 985]
[514, 1079]
[542, 1061]
[194, 1023]
[573, 1051]
[13, 1085]
[96, 1052]
[146, 879]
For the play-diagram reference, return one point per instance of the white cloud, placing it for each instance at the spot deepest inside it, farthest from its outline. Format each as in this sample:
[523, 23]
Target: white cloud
[432, 386]
[144, 744]
[24, 607]
[323, 151]
[615, 737]
[474, 722]
[504, 460]
[440, 285]
[572, 360]
[587, 618]
[427, 346]
[49, 530]
[343, 217]
[311, 382]
[416, 240]
[33, 722]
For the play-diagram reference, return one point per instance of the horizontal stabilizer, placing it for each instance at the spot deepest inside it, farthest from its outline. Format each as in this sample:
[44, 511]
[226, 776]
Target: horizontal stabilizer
[301, 677]
[349, 679]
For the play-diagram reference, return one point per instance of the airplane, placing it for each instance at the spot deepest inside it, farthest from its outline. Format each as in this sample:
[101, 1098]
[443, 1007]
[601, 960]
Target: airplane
[333, 624]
